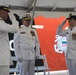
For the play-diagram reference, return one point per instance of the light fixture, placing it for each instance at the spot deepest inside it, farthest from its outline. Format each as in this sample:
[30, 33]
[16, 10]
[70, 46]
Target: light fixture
[38, 26]
[66, 28]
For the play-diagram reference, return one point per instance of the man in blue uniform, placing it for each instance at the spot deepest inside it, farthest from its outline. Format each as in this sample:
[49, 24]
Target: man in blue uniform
[70, 34]
[26, 45]
[4, 40]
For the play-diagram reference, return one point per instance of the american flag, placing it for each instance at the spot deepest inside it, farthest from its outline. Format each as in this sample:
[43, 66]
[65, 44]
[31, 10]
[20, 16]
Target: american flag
[64, 43]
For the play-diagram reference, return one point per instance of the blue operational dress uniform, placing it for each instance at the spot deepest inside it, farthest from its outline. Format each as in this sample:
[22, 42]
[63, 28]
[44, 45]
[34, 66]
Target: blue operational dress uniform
[4, 40]
[27, 48]
[70, 34]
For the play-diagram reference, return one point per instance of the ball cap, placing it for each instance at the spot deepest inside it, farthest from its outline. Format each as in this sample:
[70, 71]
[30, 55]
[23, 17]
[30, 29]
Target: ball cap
[71, 17]
[4, 7]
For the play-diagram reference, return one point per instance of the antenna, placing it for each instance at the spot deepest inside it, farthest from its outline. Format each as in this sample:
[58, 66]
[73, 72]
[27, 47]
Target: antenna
[54, 7]
[33, 12]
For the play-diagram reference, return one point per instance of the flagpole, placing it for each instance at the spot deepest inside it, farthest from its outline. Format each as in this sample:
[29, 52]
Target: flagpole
[33, 13]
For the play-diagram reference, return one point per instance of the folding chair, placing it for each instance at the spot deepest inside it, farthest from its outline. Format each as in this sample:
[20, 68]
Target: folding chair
[15, 69]
[43, 68]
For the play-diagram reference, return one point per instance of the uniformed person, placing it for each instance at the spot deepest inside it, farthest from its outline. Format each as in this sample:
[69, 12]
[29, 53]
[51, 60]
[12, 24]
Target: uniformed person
[26, 46]
[70, 34]
[4, 40]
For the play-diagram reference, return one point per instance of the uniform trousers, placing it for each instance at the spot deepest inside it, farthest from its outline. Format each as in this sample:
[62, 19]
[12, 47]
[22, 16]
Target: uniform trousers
[71, 65]
[27, 67]
[4, 70]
